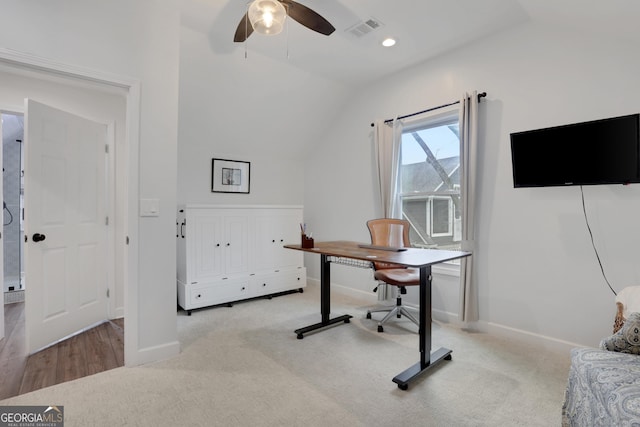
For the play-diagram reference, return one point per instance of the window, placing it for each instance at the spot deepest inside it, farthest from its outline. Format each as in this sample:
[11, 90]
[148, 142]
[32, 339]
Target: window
[430, 181]
[441, 218]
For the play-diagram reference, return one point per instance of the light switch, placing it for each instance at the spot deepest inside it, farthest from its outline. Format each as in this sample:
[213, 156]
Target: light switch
[149, 207]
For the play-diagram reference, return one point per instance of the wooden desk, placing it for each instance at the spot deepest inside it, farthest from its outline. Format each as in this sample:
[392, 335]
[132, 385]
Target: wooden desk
[417, 258]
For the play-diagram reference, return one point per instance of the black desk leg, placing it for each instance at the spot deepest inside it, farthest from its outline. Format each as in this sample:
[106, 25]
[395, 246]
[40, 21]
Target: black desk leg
[427, 358]
[325, 301]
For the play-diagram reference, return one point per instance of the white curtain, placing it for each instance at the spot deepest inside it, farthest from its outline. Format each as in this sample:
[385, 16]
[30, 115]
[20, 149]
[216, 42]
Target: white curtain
[468, 154]
[387, 147]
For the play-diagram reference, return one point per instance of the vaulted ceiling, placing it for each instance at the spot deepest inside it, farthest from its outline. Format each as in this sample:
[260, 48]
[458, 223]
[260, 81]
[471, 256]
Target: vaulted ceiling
[423, 29]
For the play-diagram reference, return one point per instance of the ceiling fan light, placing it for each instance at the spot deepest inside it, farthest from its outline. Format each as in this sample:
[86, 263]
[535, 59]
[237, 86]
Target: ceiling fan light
[267, 16]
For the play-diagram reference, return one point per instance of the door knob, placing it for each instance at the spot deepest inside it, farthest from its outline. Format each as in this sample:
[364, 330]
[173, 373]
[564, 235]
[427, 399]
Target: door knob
[38, 237]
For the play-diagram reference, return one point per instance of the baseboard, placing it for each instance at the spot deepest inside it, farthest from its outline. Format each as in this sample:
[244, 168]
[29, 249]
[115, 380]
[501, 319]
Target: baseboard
[542, 341]
[491, 328]
[118, 313]
[153, 354]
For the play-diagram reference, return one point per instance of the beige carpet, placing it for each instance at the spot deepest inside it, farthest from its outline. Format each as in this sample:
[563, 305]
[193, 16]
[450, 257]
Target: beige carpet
[243, 366]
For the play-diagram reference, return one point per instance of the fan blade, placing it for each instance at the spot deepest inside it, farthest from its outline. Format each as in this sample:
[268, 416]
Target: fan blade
[244, 29]
[308, 17]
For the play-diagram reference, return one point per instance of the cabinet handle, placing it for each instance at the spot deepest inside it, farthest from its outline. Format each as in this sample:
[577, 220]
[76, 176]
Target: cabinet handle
[217, 245]
[182, 228]
[273, 241]
[199, 296]
[228, 244]
[243, 288]
[264, 284]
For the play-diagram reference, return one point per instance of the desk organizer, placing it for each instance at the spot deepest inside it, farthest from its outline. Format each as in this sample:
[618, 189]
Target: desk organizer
[307, 242]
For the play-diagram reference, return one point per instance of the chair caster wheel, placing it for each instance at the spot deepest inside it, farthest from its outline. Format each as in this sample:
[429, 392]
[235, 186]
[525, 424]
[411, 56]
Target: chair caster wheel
[380, 329]
[299, 336]
[447, 357]
[368, 315]
[403, 386]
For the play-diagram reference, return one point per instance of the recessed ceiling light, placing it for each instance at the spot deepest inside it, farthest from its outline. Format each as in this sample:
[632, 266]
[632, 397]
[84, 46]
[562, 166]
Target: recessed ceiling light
[388, 42]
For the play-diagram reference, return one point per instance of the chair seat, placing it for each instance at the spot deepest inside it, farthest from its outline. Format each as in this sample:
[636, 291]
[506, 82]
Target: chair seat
[393, 233]
[398, 276]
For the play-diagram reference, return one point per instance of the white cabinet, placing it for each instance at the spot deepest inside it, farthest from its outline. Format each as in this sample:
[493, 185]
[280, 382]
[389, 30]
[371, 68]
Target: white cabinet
[273, 229]
[217, 245]
[232, 253]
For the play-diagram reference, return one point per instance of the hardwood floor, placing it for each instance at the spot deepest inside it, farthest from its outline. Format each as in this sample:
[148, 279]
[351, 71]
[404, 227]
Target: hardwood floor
[95, 350]
[13, 359]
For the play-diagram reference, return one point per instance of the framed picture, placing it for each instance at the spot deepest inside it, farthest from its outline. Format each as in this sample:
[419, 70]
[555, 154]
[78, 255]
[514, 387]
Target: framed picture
[230, 176]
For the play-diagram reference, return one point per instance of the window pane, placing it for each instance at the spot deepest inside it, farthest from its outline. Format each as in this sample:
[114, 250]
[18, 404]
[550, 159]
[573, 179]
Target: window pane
[415, 211]
[430, 183]
[440, 220]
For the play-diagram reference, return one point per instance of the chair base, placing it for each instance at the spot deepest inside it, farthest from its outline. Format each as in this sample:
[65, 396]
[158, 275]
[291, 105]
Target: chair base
[396, 310]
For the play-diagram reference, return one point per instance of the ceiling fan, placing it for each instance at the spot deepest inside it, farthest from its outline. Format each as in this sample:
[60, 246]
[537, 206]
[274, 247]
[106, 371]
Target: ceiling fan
[267, 17]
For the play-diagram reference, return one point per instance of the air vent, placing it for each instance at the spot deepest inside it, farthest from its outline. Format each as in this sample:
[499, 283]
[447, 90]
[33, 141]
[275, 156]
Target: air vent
[364, 27]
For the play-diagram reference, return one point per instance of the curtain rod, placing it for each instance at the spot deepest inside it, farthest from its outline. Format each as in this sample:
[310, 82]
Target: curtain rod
[480, 95]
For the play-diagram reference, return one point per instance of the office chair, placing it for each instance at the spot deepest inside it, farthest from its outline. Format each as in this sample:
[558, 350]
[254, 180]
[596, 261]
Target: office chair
[393, 233]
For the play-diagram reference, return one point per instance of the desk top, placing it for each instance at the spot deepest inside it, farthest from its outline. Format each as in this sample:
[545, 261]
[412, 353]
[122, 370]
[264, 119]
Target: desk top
[412, 257]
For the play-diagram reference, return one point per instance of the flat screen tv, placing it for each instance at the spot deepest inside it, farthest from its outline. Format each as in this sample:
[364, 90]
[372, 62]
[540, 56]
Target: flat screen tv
[603, 151]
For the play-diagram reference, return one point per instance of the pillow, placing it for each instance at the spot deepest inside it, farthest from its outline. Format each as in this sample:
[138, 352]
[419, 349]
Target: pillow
[627, 339]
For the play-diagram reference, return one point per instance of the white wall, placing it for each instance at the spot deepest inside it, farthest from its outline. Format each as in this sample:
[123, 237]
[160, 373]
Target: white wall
[537, 274]
[254, 109]
[137, 40]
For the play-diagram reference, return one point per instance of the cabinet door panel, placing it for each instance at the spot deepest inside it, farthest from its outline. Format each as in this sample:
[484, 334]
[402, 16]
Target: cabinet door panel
[236, 244]
[204, 247]
[273, 231]
[264, 243]
[290, 234]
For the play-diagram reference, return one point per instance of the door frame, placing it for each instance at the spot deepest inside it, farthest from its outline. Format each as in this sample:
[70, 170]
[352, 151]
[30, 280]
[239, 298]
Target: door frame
[28, 64]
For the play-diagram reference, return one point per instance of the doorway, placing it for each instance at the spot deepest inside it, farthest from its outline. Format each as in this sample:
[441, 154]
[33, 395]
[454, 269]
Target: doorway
[66, 158]
[81, 349]
[13, 219]
[103, 97]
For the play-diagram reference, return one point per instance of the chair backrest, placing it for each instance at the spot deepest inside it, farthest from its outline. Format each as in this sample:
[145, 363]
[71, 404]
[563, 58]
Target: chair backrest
[389, 232]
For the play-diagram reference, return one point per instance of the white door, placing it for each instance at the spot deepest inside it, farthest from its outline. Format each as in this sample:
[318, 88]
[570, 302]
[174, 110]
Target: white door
[65, 224]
